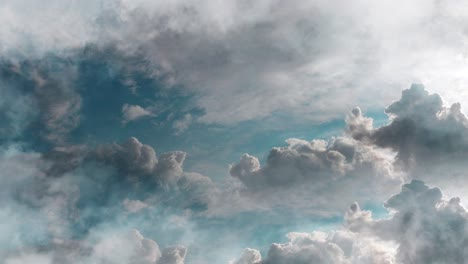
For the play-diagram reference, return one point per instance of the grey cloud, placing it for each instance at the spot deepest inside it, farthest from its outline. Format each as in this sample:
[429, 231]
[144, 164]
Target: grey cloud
[129, 248]
[250, 256]
[421, 127]
[47, 85]
[430, 139]
[427, 228]
[341, 165]
[343, 247]
[115, 248]
[422, 228]
[73, 191]
[270, 46]
[173, 255]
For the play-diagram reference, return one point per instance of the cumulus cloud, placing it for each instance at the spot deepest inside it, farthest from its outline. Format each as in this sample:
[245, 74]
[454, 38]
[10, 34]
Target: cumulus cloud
[427, 228]
[173, 255]
[130, 248]
[250, 256]
[73, 192]
[422, 228]
[116, 248]
[430, 139]
[421, 127]
[341, 165]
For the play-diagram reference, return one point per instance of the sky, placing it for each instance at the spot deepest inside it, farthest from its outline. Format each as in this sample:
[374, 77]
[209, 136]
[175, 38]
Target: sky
[237, 132]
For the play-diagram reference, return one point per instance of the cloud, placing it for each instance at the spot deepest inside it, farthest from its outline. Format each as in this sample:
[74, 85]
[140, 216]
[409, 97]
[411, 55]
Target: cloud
[50, 102]
[341, 165]
[427, 228]
[430, 139]
[73, 192]
[134, 112]
[182, 124]
[252, 54]
[130, 248]
[250, 256]
[173, 255]
[422, 228]
[133, 206]
[421, 127]
[116, 248]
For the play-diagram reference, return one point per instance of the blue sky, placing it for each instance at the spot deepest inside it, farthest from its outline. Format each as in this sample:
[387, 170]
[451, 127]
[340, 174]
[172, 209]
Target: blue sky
[266, 132]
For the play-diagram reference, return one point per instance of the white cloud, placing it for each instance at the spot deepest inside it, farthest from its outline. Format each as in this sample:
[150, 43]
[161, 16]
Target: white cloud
[129, 248]
[250, 256]
[134, 112]
[292, 173]
[422, 228]
[430, 138]
[261, 58]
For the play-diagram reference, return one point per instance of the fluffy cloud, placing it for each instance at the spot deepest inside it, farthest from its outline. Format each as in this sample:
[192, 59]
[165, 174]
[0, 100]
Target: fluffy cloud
[117, 248]
[173, 255]
[250, 256]
[430, 139]
[342, 165]
[421, 128]
[73, 191]
[130, 248]
[422, 228]
[427, 228]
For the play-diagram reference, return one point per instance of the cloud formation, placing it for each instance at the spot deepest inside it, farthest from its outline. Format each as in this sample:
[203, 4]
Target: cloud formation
[341, 165]
[423, 228]
[430, 139]
[74, 192]
[253, 53]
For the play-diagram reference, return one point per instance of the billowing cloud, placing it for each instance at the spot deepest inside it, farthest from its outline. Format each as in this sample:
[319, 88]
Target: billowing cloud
[323, 168]
[430, 139]
[423, 228]
[73, 192]
[117, 248]
[250, 256]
